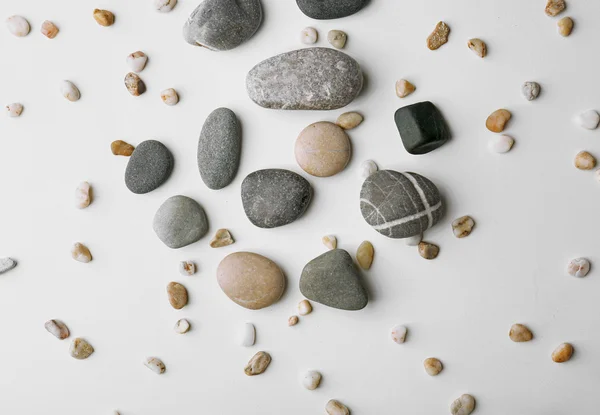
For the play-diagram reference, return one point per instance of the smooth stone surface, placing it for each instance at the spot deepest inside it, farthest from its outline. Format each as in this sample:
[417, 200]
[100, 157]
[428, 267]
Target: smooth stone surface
[222, 24]
[422, 127]
[258, 364]
[222, 238]
[250, 280]
[305, 79]
[322, 149]
[463, 405]
[333, 280]
[432, 366]
[310, 379]
[364, 255]
[578, 267]
[330, 9]
[398, 334]
[334, 407]
[400, 205]
[155, 364]
[563, 353]
[6, 264]
[520, 333]
[275, 197]
[428, 250]
[149, 166]
[219, 148]
[80, 349]
[463, 226]
[367, 168]
[247, 335]
[588, 119]
[178, 295]
[501, 143]
[182, 326]
[57, 328]
[180, 221]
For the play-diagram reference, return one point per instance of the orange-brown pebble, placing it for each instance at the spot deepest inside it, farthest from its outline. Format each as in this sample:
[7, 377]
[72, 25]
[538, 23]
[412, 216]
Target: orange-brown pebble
[562, 353]
[497, 120]
[121, 148]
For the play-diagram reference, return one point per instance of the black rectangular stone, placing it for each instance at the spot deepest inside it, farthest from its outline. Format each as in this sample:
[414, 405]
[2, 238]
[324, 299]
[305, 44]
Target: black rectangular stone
[422, 127]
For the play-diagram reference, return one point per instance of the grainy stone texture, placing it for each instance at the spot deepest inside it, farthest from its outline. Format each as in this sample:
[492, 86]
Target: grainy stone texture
[187, 268]
[332, 279]
[432, 366]
[121, 148]
[149, 167]
[563, 353]
[258, 364]
[520, 333]
[400, 205]
[585, 161]
[330, 241]
[155, 364]
[134, 84]
[305, 79]
[530, 90]
[250, 280]
[554, 7]
[80, 349]
[180, 221]
[293, 320]
[178, 295]
[310, 380]
[104, 17]
[422, 127]
[222, 24]
[222, 238]
[404, 88]
[81, 253]
[364, 255]
[334, 407]
[275, 197]
[478, 47]
[57, 328]
[399, 334]
[428, 250]
[322, 149]
[337, 38]
[6, 264]
[330, 9]
[219, 148]
[463, 405]
[497, 120]
[463, 226]
[349, 120]
[578, 267]
[439, 36]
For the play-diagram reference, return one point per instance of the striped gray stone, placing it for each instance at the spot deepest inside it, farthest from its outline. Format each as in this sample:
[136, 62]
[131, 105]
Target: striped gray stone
[400, 205]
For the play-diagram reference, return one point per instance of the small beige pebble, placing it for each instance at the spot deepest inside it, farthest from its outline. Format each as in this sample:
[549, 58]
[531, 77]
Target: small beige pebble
[293, 320]
[413, 240]
[428, 250]
[70, 91]
[463, 226]
[337, 38]
[169, 96]
[367, 168]
[585, 161]
[310, 379]
[134, 84]
[497, 120]
[14, 110]
[222, 238]
[121, 148]
[178, 295]
[554, 7]
[258, 364]
[464, 405]
[364, 255]
[349, 120]
[478, 47]
[57, 328]
[530, 90]
[501, 143]
[309, 35]
[104, 17]
[18, 26]
[323, 149]
[49, 29]
[137, 61]
[81, 253]
[565, 26]
[304, 307]
[80, 349]
[520, 333]
[432, 366]
[399, 334]
[83, 195]
[155, 364]
[439, 36]
[404, 88]
[187, 268]
[182, 326]
[164, 6]
[562, 353]
[334, 407]
[578, 267]
[330, 241]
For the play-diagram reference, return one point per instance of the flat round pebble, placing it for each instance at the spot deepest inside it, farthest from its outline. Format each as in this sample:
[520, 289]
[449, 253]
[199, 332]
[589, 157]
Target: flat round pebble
[367, 168]
[187, 268]
[439, 36]
[349, 120]
[309, 35]
[565, 26]
[364, 255]
[310, 379]
[6, 264]
[83, 195]
[182, 326]
[578, 267]
[588, 119]
[398, 334]
[463, 226]
[432, 366]
[497, 120]
[585, 161]
[81, 253]
[169, 97]
[177, 294]
[258, 364]
[404, 88]
[293, 320]
[463, 405]
[413, 240]
[49, 29]
[104, 17]
[80, 349]
[530, 90]
[149, 167]
[478, 47]
[137, 61]
[501, 143]
[121, 148]
[69, 91]
[520, 333]
[337, 38]
[428, 250]
[330, 241]
[164, 6]
[335, 407]
[304, 307]
[322, 149]
[247, 335]
[562, 353]
[155, 364]
[14, 109]
[180, 221]
[222, 238]
[18, 26]
[57, 328]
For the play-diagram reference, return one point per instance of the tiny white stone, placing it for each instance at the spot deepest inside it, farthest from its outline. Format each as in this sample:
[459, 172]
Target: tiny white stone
[530, 90]
[169, 96]
[578, 267]
[309, 35]
[597, 174]
[6, 264]
[18, 26]
[330, 241]
[182, 326]
[367, 168]
[310, 379]
[247, 335]
[69, 91]
[137, 61]
[83, 195]
[413, 240]
[399, 334]
[155, 364]
[304, 307]
[14, 109]
[187, 268]
[501, 143]
[588, 119]
[164, 6]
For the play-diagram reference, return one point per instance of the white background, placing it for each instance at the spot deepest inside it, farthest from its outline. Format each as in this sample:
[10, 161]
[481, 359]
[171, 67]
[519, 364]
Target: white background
[534, 212]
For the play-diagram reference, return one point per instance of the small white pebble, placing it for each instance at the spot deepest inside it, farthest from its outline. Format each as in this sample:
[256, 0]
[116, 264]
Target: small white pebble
[182, 326]
[137, 61]
[367, 168]
[578, 267]
[588, 119]
[155, 364]
[404, 88]
[69, 91]
[463, 405]
[399, 334]
[413, 240]
[83, 196]
[18, 26]
[330, 241]
[164, 6]
[304, 307]
[187, 268]
[169, 96]
[501, 143]
[335, 407]
[337, 38]
[310, 379]
[247, 335]
[14, 109]
[530, 90]
[309, 35]
[597, 174]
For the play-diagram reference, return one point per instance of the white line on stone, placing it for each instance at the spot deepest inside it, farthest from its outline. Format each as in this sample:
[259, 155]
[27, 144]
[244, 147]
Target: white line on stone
[422, 196]
[428, 212]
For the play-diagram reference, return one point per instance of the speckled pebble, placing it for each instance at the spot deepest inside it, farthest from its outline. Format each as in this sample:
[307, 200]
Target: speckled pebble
[134, 84]
[155, 364]
[554, 7]
[463, 226]
[578, 267]
[428, 250]
[178, 295]
[530, 90]
[258, 364]
[149, 167]
[337, 38]
[187, 268]
[80, 349]
[439, 36]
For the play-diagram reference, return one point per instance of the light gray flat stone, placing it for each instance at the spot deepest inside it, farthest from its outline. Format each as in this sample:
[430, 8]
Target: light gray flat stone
[180, 221]
[6, 264]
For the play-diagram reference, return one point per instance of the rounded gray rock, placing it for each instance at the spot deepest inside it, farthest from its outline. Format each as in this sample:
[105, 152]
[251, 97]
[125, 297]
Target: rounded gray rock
[330, 9]
[333, 280]
[400, 205]
[219, 148]
[149, 166]
[305, 79]
[275, 197]
[222, 24]
[180, 221]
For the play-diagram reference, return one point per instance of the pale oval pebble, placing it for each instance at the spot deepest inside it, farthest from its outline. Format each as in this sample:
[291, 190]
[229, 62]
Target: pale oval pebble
[330, 241]
[83, 195]
[588, 119]
[337, 38]
[578, 267]
[478, 47]
[18, 26]
[164, 6]
[57, 328]
[49, 29]
[258, 364]
[349, 120]
[155, 364]
[520, 333]
[585, 161]
[565, 26]
[182, 326]
[187, 268]
[304, 307]
[464, 405]
[81, 253]
[137, 61]
[432, 366]
[80, 349]
[399, 334]
[364, 255]
[310, 379]
[530, 90]
[562, 353]
[6, 264]
[293, 320]
[70, 91]
[501, 143]
[335, 407]
[169, 97]
[309, 35]
[367, 168]
[247, 335]
[14, 110]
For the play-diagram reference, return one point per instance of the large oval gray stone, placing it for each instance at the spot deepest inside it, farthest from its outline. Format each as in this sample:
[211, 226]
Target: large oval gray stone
[330, 9]
[333, 280]
[275, 197]
[149, 166]
[180, 221]
[219, 148]
[305, 79]
[222, 24]
[400, 205]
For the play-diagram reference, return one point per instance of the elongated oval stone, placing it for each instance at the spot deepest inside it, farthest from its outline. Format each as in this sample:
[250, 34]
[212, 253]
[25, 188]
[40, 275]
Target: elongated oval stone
[149, 166]
[180, 221]
[305, 79]
[219, 148]
[330, 9]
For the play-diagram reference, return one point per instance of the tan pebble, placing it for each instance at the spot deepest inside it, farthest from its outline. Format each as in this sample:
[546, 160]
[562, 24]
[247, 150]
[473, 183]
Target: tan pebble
[70, 91]
[364, 255]
[349, 120]
[137, 61]
[334, 407]
[322, 149]
[164, 6]
[497, 120]
[81, 253]
[83, 195]
[293, 320]
[428, 250]
[57, 328]
[554, 7]
[464, 405]
[304, 307]
[404, 88]
[258, 364]
[178, 295]
[330, 241]
[520, 333]
[134, 84]
[187, 268]
[432, 366]
[439, 36]
[585, 161]
[478, 46]
[49, 29]
[155, 364]
[18, 26]
[222, 238]
[463, 226]
[169, 97]
[14, 110]
[565, 26]
[562, 353]
[337, 38]
[104, 17]
[121, 148]
[182, 326]
[80, 349]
